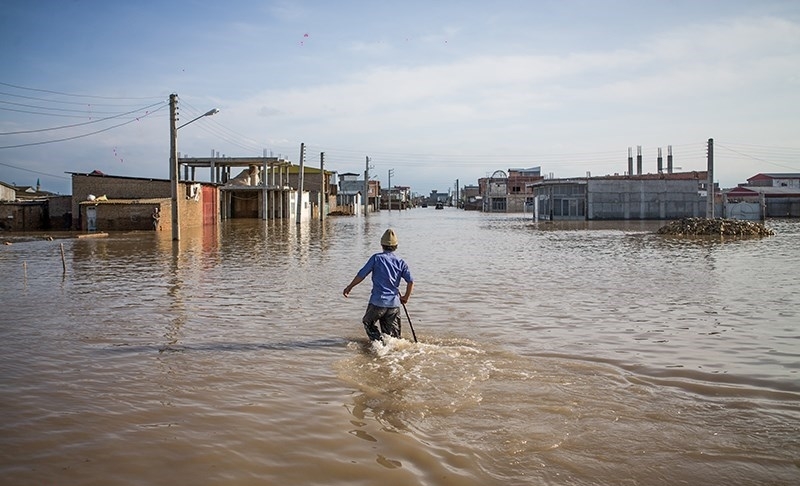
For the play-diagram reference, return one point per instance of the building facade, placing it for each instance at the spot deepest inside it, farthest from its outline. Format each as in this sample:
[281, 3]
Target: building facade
[773, 195]
[509, 191]
[104, 202]
[646, 196]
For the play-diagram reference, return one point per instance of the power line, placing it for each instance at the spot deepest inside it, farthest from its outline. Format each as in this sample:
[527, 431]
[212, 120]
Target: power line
[81, 124]
[223, 133]
[760, 159]
[83, 135]
[61, 93]
[66, 110]
[62, 102]
[34, 171]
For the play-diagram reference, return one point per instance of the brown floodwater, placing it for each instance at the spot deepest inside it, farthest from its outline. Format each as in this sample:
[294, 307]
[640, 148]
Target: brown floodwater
[549, 353]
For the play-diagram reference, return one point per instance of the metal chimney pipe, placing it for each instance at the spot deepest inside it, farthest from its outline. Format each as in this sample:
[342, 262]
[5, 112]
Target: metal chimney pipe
[660, 162]
[639, 160]
[669, 159]
[630, 161]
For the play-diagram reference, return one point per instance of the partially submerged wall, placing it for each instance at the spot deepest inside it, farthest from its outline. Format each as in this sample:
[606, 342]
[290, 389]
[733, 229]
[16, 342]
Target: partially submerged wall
[644, 199]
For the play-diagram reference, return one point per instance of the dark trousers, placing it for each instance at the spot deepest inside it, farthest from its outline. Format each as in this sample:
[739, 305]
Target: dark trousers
[389, 318]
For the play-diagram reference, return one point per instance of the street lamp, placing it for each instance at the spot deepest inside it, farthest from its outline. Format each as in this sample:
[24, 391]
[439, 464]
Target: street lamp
[174, 172]
[208, 113]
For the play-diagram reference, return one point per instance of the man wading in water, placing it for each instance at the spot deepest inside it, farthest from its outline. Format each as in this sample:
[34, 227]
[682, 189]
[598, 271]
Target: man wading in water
[384, 302]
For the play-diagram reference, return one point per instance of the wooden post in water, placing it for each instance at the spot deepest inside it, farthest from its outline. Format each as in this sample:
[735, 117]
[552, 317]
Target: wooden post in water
[63, 261]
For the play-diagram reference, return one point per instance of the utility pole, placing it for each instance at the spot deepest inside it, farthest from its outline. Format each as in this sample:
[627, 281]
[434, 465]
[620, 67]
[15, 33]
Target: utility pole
[366, 188]
[300, 183]
[710, 182]
[323, 194]
[391, 173]
[173, 164]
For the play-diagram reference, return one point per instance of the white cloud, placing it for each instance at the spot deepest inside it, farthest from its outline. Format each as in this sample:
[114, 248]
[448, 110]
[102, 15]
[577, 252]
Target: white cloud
[443, 88]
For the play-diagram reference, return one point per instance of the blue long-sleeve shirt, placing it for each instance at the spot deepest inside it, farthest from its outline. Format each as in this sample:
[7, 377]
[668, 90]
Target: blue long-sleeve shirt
[387, 270]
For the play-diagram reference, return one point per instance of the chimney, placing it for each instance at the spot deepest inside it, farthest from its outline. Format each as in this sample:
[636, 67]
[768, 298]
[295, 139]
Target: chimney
[630, 161]
[669, 159]
[660, 162]
[638, 160]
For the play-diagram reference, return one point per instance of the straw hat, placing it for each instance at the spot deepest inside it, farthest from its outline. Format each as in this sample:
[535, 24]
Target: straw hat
[389, 238]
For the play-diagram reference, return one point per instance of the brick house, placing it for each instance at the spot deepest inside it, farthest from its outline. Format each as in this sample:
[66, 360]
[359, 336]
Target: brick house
[104, 202]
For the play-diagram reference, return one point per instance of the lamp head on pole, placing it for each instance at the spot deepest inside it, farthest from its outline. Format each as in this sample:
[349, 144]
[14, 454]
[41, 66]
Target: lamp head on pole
[208, 113]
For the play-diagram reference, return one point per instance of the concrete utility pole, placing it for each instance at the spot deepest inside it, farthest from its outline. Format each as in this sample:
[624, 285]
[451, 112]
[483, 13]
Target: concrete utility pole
[323, 194]
[174, 171]
[173, 164]
[391, 172]
[366, 188]
[710, 182]
[300, 183]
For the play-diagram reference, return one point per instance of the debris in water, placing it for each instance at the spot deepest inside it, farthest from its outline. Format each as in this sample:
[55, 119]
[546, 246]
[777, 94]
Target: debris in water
[715, 226]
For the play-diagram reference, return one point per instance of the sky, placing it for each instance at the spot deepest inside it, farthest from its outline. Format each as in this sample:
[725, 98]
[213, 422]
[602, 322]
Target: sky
[439, 92]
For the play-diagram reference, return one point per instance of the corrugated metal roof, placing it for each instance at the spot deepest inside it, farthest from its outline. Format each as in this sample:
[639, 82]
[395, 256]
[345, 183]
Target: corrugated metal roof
[766, 190]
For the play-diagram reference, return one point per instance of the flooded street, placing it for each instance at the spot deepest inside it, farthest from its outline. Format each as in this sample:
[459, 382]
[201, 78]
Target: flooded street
[553, 353]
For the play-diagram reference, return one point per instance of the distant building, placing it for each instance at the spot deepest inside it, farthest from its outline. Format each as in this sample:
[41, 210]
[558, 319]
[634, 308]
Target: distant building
[791, 180]
[350, 193]
[397, 197]
[646, 196]
[265, 187]
[28, 208]
[773, 195]
[509, 191]
[437, 197]
[471, 199]
[352, 188]
[7, 192]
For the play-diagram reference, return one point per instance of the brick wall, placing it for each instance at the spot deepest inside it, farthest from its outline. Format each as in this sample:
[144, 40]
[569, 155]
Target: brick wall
[25, 216]
[123, 217]
[124, 211]
[115, 188]
[60, 212]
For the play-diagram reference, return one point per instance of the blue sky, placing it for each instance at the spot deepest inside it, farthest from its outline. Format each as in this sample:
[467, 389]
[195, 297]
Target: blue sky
[438, 91]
